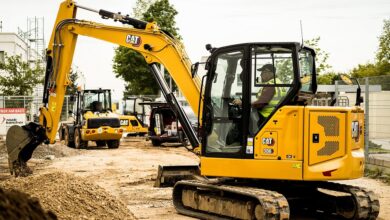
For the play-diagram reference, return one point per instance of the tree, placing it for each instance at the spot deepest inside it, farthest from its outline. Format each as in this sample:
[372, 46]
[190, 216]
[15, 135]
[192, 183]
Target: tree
[132, 67]
[140, 8]
[381, 66]
[327, 78]
[18, 77]
[164, 14]
[73, 76]
[129, 64]
[383, 53]
[321, 56]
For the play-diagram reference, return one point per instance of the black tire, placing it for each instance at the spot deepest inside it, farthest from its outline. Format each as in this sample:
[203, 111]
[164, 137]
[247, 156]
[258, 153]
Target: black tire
[78, 142]
[100, 143]
[156, 143]
[113, 144]
[61, 133]
[67, 139]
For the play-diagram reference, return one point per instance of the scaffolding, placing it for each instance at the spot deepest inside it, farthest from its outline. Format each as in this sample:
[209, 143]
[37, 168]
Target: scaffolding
[35, 39]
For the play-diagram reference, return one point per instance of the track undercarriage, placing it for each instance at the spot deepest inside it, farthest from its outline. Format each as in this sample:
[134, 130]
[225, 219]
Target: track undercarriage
[283, 200]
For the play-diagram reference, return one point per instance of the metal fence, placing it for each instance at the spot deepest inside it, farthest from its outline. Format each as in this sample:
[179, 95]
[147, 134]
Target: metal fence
[32, 105]
[377, 107]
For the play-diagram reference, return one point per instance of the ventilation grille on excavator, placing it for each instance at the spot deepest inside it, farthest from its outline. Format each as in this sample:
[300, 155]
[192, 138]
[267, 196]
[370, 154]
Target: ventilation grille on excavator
[331, 127]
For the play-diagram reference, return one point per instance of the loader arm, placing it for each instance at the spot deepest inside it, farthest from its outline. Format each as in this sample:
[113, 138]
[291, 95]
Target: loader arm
[154, 44]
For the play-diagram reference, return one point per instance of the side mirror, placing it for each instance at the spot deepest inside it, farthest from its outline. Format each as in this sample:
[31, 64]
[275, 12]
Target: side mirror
[346, 79]
[350, 81]
[194, 69]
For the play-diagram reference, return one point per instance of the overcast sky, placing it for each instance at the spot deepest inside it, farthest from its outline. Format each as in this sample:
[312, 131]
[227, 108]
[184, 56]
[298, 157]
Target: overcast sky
[349, 29]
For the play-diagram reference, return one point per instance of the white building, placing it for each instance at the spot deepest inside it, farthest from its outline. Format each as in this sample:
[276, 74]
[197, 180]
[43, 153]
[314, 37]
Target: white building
[12, 44]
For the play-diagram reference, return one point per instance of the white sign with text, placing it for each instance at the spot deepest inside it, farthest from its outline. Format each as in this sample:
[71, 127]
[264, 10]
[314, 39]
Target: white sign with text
[10, 117]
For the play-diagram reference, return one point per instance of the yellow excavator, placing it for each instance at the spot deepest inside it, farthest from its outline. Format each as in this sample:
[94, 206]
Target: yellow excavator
[251, 166]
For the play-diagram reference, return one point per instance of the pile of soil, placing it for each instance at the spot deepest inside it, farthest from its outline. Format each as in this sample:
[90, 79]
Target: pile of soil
[18, 205]
[70, 197]
[56, 150]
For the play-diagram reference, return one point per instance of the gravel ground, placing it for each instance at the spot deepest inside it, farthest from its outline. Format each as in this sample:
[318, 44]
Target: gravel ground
[101, 183]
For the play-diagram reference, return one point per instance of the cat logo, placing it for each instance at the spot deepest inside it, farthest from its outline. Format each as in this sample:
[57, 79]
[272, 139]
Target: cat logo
[268, 141]
[133, 40]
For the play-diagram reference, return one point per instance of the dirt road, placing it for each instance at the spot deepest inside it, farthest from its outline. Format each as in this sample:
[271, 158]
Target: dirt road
[127, 175]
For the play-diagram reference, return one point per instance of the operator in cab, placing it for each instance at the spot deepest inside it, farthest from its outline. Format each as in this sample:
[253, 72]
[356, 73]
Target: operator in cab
[97, 106]
[268, 97]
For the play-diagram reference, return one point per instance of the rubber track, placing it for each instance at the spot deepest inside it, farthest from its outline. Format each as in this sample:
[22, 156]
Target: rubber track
[275, 204]
[367, 202]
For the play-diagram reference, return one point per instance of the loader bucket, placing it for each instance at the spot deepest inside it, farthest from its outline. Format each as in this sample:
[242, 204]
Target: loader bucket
[168, 175]
[21, 143]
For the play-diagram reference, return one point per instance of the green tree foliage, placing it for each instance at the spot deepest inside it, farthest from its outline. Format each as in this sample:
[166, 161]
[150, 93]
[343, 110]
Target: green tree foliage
[381, 66]
[140, 8]
[132, 67]
[321, 56]
[129, 64]
[327, 78]
[73, 76]
[18, 77]
[383, 53]
[164, 14]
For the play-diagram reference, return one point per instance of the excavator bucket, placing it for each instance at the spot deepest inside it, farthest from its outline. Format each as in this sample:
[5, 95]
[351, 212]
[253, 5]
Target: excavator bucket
[167, 176]
[21, 143]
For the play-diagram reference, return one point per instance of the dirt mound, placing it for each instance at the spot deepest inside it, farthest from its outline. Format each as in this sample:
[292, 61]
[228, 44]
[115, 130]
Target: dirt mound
[56, 150]
[18, 205]
[70, 197]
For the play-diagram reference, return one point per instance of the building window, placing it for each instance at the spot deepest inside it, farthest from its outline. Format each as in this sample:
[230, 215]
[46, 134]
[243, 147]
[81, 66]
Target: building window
[2, 57]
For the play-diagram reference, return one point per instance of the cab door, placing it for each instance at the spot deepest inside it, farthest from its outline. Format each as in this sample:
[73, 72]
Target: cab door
[224, 116]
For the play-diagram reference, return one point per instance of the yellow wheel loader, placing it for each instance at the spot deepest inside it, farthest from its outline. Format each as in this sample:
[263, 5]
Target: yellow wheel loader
[92, 121]
[255, 163]
[132, 126]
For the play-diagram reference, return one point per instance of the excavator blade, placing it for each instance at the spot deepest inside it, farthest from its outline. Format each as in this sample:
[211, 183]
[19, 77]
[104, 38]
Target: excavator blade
[21, 143]
[167, 176]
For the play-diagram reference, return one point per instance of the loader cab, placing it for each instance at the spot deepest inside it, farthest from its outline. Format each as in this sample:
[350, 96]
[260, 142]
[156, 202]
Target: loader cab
[240, 76]
[96, 100]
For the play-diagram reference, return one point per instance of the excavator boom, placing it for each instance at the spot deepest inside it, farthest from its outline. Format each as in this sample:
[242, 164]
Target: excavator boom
[157, 47]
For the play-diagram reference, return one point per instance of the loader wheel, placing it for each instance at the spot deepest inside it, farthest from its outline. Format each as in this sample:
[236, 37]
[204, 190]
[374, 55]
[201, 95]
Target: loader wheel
[61, 133]
[113, 144]
[67, 139]
[156, 143]
[100, 143]
[78, 142]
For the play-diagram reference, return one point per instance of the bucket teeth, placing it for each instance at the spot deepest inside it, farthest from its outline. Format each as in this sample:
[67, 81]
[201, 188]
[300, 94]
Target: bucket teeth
[21, 143]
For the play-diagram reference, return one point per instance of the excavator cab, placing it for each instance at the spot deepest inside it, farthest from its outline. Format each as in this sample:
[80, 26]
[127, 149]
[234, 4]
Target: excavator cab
[236, 81]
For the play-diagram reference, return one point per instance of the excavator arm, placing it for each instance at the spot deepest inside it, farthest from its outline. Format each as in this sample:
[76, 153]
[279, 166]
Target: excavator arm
[155, 45]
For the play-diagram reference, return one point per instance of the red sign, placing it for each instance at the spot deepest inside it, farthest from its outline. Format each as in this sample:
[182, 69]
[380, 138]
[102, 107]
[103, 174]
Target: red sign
[12, 110]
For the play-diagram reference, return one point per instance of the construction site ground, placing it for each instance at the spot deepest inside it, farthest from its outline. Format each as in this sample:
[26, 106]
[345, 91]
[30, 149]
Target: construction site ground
[101, 183]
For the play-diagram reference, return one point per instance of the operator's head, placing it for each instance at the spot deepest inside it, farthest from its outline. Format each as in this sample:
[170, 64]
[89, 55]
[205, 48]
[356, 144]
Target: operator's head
[99, 106]
[267, 72]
